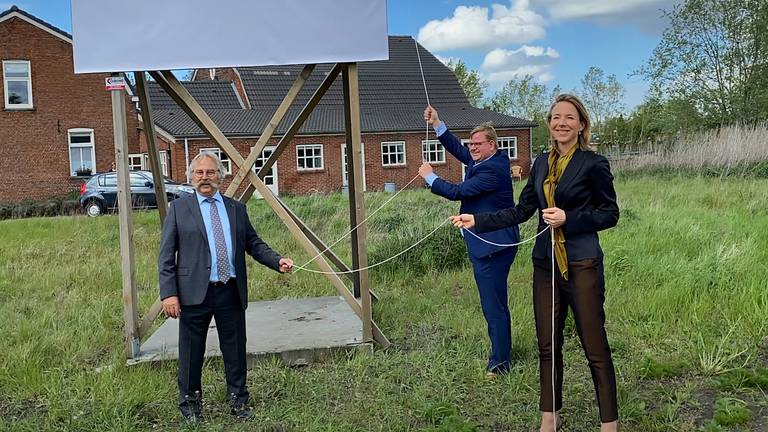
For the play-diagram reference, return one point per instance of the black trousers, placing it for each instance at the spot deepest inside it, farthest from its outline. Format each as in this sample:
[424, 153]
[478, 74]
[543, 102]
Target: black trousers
[223, 303]
[584, 292]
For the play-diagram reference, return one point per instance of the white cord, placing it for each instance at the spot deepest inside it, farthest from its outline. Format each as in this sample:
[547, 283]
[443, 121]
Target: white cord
[554, 403]
[382, 262]
[422, 72]
[506, 245]
[356, 226]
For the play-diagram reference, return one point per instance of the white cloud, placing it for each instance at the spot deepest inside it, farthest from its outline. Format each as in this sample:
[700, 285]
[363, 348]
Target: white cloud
[501, 65]
[470, 27]
[645, 14]
[445, 60]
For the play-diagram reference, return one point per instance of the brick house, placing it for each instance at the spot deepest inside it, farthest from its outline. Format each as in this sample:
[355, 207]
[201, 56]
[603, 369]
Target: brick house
[392, 98]
[53, 122]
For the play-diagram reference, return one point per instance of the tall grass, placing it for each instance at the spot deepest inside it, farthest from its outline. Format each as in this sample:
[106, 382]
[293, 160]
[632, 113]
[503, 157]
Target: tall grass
[686, 304]
[731, 150]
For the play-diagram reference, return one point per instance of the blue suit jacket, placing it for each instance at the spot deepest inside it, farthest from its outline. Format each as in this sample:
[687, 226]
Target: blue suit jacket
[487, 187]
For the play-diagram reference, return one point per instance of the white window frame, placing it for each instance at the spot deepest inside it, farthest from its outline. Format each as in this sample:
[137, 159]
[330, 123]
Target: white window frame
[388, 143]
[427, 153]
[345, 166]
[28, 80]
[311, 147]
[511, 143]
[163, 162]
[70, 146]
[223, 156]
[132, 165]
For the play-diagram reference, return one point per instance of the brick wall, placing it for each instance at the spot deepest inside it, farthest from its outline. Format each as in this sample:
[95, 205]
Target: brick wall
[34, 147]
[329, 178]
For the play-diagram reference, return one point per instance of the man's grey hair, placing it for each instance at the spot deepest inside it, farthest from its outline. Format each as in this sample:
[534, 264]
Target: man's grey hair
[206, 154]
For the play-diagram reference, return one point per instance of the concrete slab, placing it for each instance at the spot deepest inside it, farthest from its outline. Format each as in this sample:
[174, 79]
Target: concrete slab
[298, 331]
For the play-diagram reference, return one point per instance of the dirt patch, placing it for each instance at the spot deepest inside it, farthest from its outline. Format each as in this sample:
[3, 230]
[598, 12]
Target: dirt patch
[18, 410]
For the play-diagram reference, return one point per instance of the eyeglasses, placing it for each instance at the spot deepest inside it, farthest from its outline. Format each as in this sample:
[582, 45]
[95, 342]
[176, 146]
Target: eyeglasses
[477, 144]
[205, 173]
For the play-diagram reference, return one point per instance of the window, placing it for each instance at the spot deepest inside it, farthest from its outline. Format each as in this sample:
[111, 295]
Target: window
[163, 162]
[432, 151]
[223, 156]
[108, 180]
[17, 84]
[82, 155]
[135, 161]
[138, 180]
[309, 157]
[393, 153]
[508, 144]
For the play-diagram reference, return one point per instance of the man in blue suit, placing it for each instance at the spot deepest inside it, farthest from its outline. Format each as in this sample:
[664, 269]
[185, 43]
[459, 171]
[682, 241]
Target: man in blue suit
[487, 186]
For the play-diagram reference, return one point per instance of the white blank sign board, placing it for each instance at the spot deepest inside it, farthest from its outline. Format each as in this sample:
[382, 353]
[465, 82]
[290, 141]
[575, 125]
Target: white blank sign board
[144, 35]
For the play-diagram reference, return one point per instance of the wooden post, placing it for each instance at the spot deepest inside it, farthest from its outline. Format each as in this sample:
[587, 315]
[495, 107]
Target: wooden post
[154, 156]
[186, 102]
[266, 134]
[127, 258]
[294, 128]
[356, 201]
[161, 198]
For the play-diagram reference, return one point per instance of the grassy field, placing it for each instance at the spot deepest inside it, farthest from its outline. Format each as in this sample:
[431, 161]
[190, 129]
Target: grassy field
[687, 301]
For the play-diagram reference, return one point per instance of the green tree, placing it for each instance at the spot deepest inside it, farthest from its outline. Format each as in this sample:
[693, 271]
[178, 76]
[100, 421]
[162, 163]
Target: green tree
[526, 99]
[522, 98]
[603, 96]
[713, 54]
[469, 79]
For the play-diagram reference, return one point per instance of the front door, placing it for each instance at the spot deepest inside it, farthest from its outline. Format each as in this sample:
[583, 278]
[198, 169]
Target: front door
[271, 178]
[344, 171]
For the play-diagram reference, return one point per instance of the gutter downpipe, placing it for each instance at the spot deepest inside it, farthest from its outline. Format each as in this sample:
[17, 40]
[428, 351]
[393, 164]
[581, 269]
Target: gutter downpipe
[186, 158]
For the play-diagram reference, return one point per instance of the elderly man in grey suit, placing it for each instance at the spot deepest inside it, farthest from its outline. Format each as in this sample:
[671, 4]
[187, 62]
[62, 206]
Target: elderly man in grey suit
[202, 275]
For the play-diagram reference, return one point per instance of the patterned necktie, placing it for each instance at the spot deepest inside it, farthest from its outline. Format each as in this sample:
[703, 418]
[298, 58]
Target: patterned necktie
[222, 259]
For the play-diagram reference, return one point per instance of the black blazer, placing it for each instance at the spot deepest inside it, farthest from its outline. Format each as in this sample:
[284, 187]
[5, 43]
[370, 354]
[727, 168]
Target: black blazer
[184, 261]
[586, 194]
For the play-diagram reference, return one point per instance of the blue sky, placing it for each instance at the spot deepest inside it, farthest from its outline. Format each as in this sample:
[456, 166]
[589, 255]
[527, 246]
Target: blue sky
[556, 41]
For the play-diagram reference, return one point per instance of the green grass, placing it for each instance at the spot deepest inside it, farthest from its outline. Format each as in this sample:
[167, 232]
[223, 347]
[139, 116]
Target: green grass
[687, 301]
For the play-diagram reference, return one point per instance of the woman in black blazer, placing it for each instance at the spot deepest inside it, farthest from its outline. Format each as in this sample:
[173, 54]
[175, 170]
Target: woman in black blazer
[572, 187]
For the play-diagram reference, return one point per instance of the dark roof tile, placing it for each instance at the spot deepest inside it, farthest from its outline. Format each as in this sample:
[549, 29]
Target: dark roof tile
[209, 94]
[392, 98]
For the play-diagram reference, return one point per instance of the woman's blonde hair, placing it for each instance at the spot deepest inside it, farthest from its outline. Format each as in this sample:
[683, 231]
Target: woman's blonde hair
[585, 136]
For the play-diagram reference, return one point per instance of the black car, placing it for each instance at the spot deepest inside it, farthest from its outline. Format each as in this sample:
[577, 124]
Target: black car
[99, 193]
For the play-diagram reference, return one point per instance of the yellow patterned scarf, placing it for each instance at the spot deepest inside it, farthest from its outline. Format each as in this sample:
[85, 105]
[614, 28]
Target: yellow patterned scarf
[557, 165]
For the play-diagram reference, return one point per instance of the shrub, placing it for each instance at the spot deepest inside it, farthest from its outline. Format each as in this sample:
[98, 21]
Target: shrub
[65, 206]
[441, 251]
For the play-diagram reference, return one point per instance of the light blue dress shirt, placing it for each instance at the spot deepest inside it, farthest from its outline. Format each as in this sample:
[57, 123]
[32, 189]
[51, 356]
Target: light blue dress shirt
[439, 130]
[205, 209]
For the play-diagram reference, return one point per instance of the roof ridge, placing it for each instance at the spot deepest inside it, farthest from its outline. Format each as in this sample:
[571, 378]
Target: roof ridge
[20, 11]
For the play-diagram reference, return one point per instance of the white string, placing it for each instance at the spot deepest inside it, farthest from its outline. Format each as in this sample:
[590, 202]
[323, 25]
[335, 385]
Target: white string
[552, 350]
[382, 262]
[506, 245]
[356, 226]
[411, 247]
[421, 68]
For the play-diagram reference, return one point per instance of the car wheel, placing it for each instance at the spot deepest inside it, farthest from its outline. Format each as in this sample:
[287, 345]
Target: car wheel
[94, 208]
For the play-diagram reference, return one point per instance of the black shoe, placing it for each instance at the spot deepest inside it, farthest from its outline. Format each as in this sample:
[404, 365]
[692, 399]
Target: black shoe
[240, 408]
[192, 408]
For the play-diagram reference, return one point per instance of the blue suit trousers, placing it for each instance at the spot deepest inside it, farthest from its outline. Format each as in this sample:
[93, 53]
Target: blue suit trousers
[491, 274]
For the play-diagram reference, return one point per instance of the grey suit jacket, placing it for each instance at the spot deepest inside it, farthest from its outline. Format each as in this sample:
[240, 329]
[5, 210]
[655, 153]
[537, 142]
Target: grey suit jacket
[184, 261]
